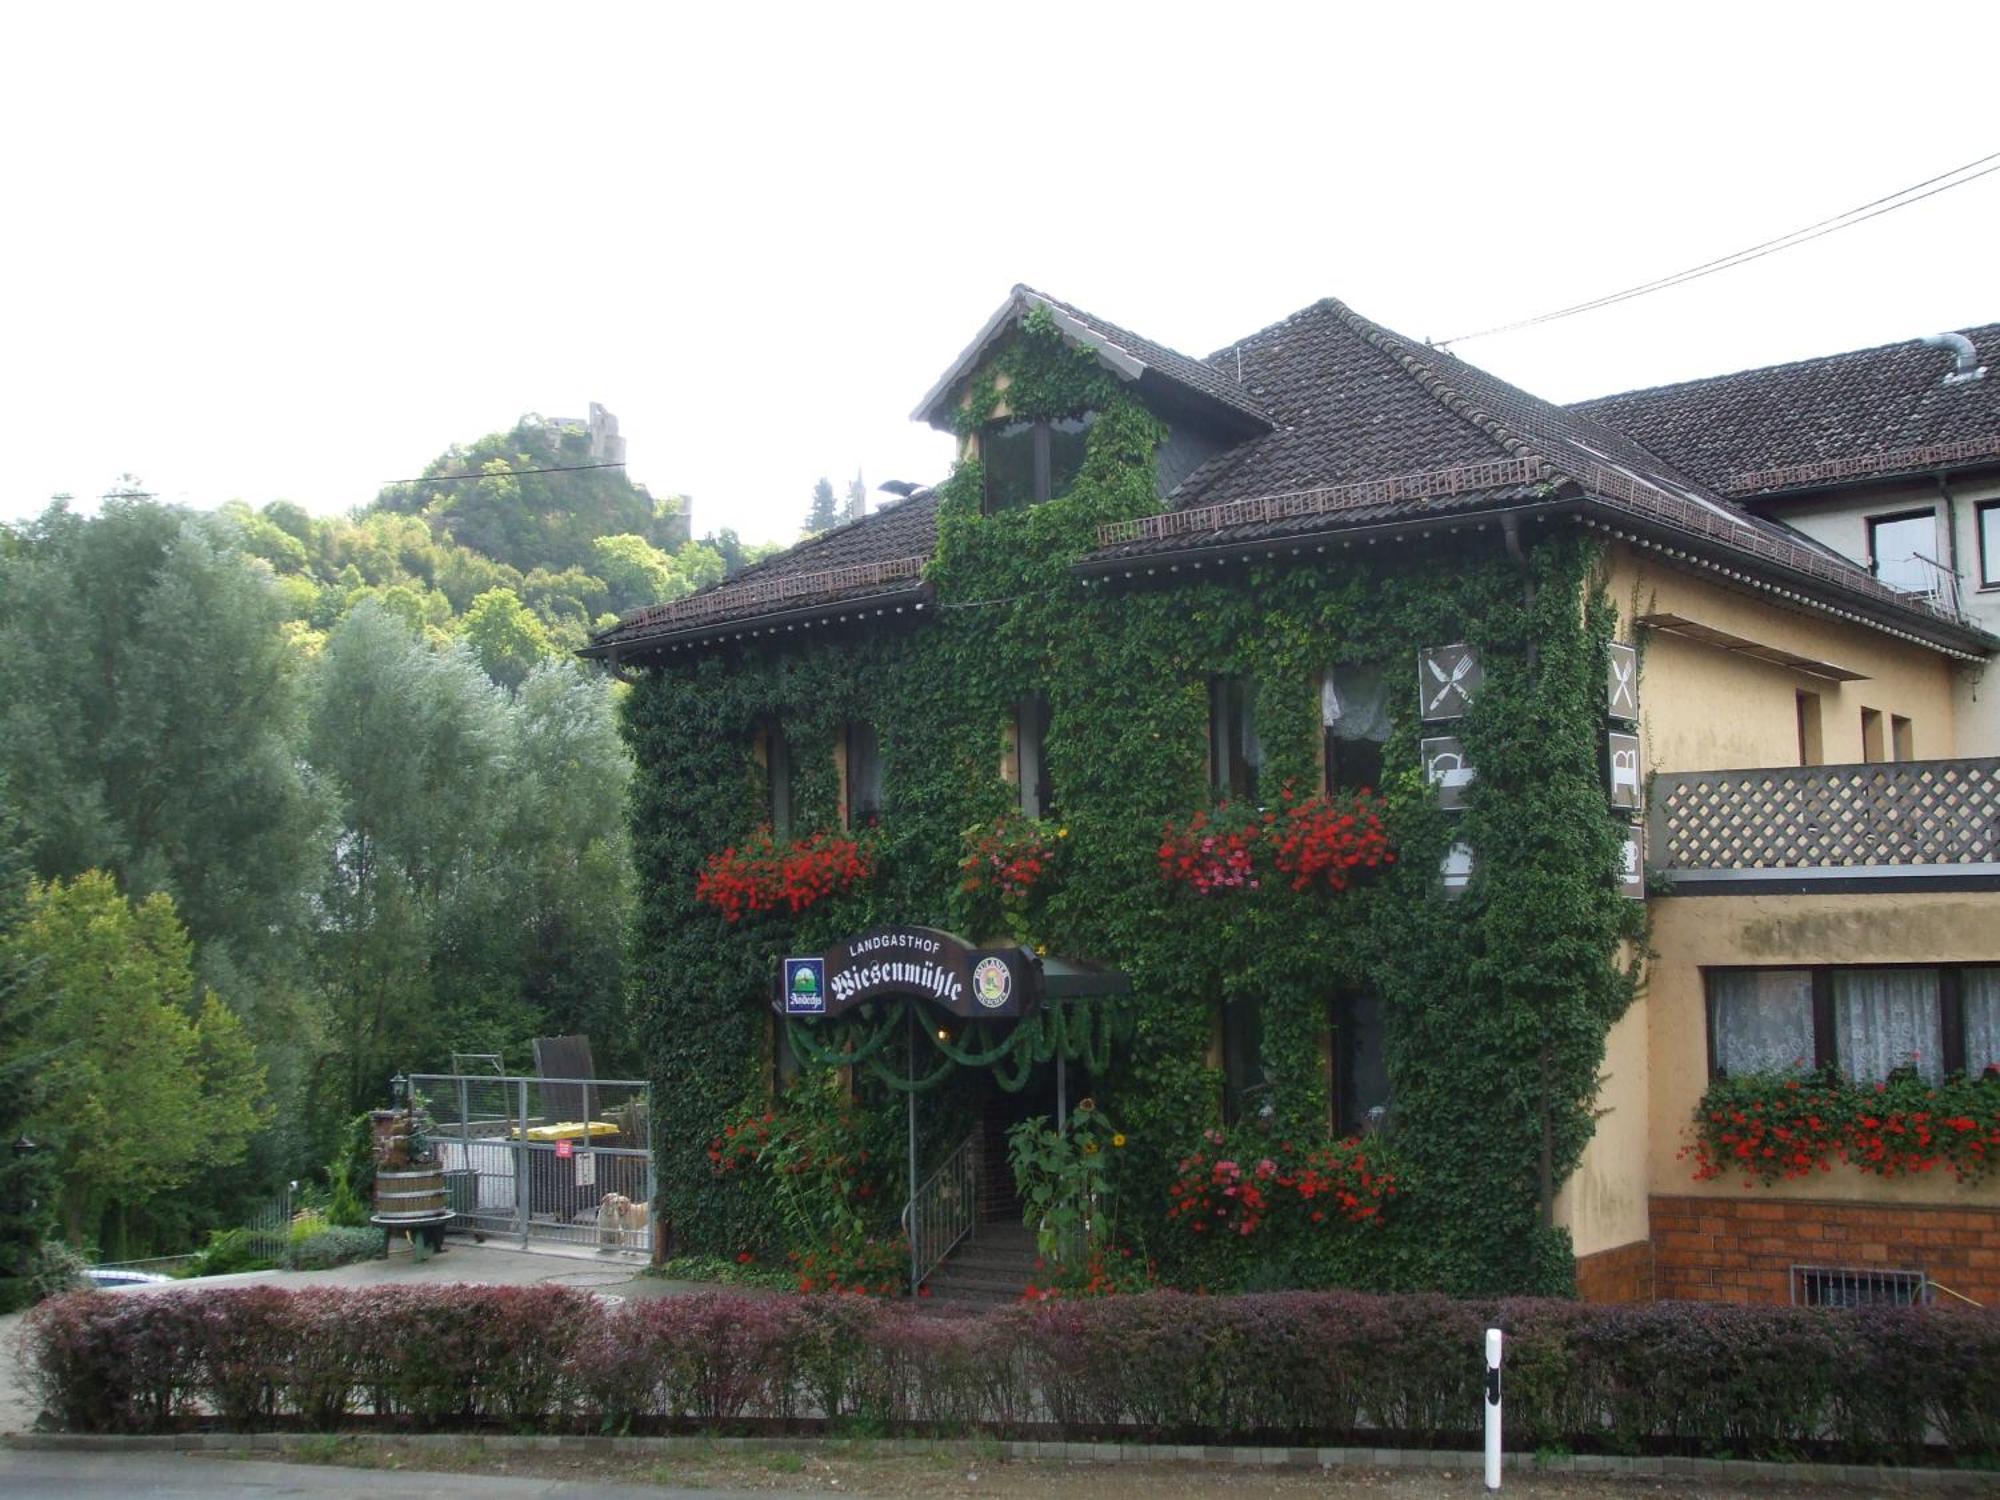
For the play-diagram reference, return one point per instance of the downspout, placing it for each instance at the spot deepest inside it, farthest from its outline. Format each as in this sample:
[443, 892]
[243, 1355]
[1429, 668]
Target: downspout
[1545, 1172]
[1950, 536]
[611, 665]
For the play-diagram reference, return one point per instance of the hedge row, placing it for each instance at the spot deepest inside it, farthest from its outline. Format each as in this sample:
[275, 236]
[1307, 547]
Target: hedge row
[1298, 1367]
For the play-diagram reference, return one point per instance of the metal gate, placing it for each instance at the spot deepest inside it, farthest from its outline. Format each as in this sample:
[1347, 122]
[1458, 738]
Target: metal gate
[565, 1161]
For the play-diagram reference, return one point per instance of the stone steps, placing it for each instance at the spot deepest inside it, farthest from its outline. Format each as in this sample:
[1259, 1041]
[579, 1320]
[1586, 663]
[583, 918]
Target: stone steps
[990, 1269]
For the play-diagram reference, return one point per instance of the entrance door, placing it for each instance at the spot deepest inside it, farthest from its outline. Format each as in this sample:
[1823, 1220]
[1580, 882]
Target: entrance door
[999, 1202]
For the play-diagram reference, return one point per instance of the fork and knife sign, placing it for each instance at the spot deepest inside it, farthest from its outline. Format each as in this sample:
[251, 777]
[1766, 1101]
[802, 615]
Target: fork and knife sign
[1450, 684]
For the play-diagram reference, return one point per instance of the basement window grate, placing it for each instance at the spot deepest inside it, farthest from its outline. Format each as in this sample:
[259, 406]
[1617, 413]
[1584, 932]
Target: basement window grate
[1849, 1286]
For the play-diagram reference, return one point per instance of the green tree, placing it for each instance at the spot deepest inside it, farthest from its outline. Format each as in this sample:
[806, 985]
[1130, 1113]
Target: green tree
[567, 859]
[155, 1077]
[27, 1182]
[412, 744]
[824, 513]
[505, 637]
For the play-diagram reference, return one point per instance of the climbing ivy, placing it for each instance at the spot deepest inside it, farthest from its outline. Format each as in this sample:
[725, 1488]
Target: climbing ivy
[1496, 1001]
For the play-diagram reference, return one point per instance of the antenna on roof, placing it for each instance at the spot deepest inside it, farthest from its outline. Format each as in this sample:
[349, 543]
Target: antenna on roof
[1239, 364]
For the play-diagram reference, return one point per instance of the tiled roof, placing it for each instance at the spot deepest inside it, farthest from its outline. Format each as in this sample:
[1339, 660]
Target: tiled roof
[1376, 428]
[1366, 428]
[1160, 372]
[1217, 383]
[1864, 413]
[879, 555]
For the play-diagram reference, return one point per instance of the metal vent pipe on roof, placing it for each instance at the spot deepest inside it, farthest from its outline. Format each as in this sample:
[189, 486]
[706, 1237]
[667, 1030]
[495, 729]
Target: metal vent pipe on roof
[1967, 365]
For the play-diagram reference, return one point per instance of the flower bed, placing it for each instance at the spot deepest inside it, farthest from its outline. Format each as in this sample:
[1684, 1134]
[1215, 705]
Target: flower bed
[1297, 1368]
[760, 876]
[1772, 1126]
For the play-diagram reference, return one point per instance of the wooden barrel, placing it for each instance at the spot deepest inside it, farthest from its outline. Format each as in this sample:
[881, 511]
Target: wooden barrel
[412, 1196]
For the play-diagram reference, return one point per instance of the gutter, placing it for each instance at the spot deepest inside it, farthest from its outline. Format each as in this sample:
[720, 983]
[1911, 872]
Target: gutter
[828, 613]
[1967, 642]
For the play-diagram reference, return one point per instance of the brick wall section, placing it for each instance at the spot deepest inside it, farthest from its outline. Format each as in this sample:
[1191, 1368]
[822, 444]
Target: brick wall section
[1623, 1274]
[1742, 1249]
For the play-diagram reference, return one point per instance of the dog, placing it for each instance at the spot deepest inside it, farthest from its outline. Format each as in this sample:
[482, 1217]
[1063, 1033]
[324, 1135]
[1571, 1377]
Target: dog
[618, 1216]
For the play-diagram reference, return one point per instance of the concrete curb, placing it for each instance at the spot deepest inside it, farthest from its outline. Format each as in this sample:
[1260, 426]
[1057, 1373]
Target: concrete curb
[1884, 1478]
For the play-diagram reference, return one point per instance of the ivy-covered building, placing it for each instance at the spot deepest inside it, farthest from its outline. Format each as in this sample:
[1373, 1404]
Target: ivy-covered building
[1243, 764]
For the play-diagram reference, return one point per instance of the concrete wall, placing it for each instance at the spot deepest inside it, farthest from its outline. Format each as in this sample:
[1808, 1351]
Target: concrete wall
[1706, 708]
[1840, 520]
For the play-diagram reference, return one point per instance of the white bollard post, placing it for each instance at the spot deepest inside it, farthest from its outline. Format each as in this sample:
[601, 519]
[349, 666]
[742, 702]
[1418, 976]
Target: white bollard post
[1493, 1408]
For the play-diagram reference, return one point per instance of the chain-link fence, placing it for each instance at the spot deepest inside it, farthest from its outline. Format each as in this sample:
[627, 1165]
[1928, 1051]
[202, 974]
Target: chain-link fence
[545, 1160]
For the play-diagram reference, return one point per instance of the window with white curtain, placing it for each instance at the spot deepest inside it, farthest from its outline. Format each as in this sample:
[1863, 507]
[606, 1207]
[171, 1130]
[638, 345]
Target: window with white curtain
[1940, 1019]
[1761, 1020]
[1980, 993]
[1884, 1019]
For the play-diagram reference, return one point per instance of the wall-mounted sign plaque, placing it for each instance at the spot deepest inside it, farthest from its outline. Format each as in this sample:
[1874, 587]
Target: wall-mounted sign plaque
[972, 983]
[1621, 689]
[1455, 870]
[1446, 768]
[1448, 678]
[1632, 864]
[1622, 770]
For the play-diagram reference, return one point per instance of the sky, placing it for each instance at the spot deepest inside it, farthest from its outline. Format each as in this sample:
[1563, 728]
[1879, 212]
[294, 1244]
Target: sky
[291, 251]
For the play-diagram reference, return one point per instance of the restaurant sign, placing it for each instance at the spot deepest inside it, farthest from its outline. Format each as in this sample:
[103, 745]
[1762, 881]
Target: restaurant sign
[972, 983]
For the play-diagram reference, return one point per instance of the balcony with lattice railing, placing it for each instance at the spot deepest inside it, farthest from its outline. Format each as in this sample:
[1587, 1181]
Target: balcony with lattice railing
[1907, 824]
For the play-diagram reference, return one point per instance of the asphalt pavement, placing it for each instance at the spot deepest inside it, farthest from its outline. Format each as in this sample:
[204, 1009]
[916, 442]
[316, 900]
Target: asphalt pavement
[33, 1475]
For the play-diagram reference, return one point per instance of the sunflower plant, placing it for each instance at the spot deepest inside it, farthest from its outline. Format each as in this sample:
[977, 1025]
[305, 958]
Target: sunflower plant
[1064, 1176]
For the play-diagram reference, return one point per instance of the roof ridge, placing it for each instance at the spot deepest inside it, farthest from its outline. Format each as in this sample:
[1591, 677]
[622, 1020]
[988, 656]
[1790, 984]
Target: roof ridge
[1783, 364]
[1437, 387]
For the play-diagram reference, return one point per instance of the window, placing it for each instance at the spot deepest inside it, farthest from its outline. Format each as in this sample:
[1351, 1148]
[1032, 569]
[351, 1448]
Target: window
[1031, 730]
[1979, 1001]
[1884, 1019]
[1903, 549]
[777, 781]
[1354, 711]
[1029, 462]
[1243, 1082]
[864, 774]
[1857, 1286]
[1234, 754]
[1761, 1021]
[1902, 738]
[1812, 751]
[1360, 1066]
[1986, 520]
[1937, 1019]
[1871, 735]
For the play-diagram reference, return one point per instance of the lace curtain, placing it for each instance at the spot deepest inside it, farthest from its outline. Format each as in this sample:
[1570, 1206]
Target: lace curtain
[1981, 989]
[1885, 1019]
[1761, 1020]
[1354, 703]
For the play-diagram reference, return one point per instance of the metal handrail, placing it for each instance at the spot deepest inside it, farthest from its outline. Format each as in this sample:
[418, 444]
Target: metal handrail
[943, 1211]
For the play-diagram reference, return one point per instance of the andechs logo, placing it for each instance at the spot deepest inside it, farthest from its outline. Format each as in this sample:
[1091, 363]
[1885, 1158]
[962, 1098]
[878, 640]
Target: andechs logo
[805, 986]
[992, 982]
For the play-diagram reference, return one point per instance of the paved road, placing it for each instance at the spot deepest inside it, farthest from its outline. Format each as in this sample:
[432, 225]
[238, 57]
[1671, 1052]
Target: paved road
[175, 1476]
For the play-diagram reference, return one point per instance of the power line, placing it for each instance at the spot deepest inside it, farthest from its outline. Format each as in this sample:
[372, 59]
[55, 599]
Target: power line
[508, 474]
[1860, 214]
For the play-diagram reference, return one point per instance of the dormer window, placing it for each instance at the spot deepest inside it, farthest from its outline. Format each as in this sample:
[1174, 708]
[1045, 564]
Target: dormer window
[1029, 462]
